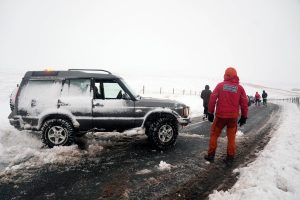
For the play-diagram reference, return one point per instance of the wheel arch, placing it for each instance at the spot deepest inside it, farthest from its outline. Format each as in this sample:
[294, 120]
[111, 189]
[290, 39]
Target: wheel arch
[65, 116]
[152, 116]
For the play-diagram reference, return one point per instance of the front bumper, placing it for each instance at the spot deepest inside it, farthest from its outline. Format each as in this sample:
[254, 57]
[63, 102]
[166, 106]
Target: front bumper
[184, 121]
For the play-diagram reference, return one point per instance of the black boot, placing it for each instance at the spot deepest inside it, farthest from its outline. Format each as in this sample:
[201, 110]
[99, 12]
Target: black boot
[210, 158]
[228, 160]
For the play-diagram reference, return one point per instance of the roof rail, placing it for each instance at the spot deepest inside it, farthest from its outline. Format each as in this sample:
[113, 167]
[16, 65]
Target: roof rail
[95, 70]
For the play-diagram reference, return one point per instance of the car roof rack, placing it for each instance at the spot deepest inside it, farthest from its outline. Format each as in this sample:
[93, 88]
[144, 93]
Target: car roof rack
[93, 70]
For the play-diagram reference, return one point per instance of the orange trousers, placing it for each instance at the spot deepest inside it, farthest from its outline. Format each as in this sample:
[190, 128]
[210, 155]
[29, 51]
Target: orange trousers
[216, 129]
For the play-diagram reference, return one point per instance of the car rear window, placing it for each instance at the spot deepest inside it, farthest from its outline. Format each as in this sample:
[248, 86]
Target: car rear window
[43, 93]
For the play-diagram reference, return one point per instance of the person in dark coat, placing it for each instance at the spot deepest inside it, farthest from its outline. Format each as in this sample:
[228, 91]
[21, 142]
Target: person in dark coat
[205, 95]
[264, 96]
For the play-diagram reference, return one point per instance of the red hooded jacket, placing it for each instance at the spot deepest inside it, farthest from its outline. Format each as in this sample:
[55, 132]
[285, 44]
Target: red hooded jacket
[257, 96]
[228, 97]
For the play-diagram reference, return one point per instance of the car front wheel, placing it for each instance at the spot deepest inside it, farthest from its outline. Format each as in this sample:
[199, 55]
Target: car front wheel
[57, 132]
[163, 133]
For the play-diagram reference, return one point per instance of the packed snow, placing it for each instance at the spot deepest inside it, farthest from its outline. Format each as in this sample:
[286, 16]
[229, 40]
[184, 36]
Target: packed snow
[164, 166]
[239, 133]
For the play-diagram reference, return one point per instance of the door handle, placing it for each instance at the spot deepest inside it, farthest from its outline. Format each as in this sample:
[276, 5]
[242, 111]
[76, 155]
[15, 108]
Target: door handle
[60, 103]
[98, 105]
[33, 103]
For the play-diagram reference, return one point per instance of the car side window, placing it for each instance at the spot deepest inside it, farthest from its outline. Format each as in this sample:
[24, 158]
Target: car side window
[112, 90]
[77, 87]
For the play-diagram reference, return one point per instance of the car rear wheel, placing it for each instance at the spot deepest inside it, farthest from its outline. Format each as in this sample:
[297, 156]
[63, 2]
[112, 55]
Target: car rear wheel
[57, 132]
[163, 133]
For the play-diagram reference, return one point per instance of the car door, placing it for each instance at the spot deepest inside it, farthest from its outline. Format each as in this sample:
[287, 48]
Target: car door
[112, 107]
[76, 99]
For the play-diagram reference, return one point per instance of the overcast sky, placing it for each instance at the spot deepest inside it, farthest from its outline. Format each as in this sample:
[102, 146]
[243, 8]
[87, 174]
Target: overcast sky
[187, 38]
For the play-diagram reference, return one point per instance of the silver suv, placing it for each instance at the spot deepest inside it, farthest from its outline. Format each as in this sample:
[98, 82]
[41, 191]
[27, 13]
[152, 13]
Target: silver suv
[65, 104]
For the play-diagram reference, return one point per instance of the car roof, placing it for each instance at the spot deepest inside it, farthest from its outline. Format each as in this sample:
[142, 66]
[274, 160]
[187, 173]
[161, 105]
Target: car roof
[68, 74]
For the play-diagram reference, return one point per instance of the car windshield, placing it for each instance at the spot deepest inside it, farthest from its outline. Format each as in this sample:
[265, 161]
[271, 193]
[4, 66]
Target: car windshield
[130, 89]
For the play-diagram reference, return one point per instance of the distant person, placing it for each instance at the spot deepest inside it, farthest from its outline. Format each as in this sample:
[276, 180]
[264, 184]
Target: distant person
[228, 97]
[205, 95]
[257, 99]
[249, 100]
[264, 96]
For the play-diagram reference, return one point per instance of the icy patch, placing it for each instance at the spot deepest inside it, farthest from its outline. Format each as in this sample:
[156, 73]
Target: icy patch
[163, 166]
[191, 135]
[144, 171]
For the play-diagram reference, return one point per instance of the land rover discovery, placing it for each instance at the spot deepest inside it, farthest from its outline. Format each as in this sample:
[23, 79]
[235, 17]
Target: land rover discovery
[65, 104]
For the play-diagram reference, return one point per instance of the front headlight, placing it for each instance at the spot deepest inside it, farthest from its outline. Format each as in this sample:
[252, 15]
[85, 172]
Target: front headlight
[186, 112]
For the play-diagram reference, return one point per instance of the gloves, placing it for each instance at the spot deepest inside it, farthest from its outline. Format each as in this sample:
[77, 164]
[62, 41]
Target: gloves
[210, 117]
[242, 121]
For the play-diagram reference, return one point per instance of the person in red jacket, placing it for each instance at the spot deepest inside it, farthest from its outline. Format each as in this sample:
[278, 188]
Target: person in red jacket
[257, 99]
[228, 98]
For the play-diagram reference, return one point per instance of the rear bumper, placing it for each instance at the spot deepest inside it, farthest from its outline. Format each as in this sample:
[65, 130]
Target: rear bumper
[16, 122]
[24, 123]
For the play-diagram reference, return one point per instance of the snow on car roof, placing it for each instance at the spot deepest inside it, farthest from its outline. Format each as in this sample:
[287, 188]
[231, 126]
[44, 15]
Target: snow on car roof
[68, 74]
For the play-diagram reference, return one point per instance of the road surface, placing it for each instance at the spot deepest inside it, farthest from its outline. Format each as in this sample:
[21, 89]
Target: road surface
[127, 167]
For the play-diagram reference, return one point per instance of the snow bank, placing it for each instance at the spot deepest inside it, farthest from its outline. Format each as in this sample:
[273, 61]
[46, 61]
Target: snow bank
[20, 150]
[275, 174]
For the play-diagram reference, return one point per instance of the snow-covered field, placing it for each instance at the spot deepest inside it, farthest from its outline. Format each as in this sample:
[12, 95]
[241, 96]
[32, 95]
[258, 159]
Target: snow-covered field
[274, 175]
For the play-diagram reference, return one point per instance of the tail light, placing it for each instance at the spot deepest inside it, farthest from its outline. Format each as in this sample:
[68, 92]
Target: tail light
[13, 97]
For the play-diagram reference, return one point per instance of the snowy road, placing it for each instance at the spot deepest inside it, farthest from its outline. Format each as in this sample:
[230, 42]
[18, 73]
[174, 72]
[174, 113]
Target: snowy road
[127, 167]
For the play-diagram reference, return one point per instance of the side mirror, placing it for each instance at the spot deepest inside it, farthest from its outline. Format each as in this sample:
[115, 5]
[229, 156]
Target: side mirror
[126, 96]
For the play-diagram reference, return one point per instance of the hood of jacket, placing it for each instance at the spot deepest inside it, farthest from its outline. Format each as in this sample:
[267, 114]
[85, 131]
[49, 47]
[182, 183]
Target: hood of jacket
[233, 79]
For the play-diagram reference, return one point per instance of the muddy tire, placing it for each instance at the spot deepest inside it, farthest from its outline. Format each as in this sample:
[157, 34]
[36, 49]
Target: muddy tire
[57, 132]
[163, 133]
